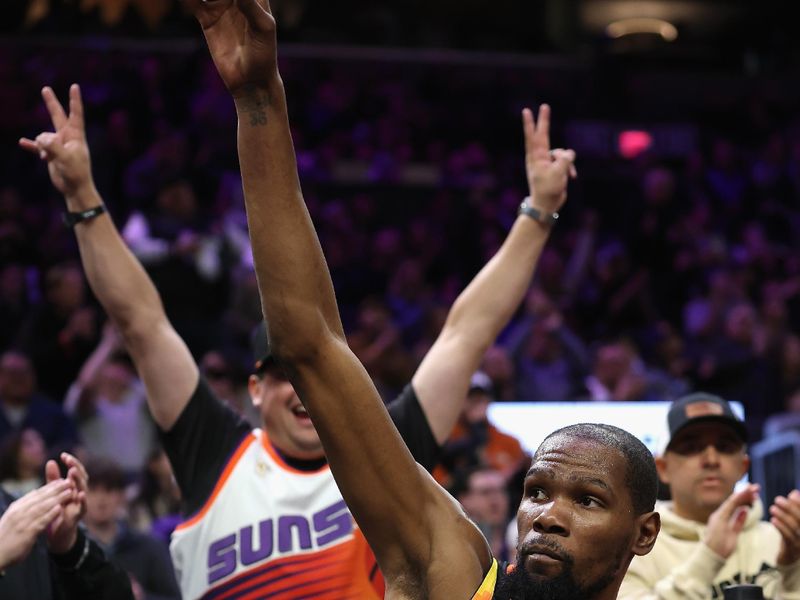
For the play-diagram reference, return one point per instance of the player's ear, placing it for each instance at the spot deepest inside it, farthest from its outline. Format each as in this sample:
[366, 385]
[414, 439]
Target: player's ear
[648, 526]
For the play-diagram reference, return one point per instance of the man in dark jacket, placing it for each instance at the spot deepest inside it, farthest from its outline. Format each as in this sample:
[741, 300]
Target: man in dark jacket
[61, 564]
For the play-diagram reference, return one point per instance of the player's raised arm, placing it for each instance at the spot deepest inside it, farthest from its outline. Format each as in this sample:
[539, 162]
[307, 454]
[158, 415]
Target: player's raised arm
[117, 279]
[489, 301]
[415, 529]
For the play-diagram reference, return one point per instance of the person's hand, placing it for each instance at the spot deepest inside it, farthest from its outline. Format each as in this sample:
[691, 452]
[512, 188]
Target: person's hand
[726, 523]
[241, 38]
[63, 533]
[29, 516]
[548, 170]
[65, 150]
[785, 516]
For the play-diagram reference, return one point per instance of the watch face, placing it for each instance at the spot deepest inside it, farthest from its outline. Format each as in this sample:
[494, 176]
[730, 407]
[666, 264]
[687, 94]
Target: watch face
[537, 215]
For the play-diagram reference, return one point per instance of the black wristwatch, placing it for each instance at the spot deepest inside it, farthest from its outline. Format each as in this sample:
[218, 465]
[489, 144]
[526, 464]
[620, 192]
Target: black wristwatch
[546, 219]
[73, 218]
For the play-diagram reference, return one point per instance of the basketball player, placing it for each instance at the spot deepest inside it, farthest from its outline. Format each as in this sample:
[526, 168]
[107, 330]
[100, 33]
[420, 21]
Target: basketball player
[581, 520]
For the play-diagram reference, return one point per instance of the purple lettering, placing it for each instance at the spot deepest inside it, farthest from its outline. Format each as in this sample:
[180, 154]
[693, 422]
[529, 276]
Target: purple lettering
[285, 537]
[294, 533]
[221, 558]
[247, 554]
[332, 523]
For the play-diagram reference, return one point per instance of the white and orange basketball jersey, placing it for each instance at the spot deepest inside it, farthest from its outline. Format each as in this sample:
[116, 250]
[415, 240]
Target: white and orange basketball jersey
[271, 531]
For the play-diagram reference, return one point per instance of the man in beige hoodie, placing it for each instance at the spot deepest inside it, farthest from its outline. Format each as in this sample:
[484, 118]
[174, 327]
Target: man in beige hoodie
[710, 536]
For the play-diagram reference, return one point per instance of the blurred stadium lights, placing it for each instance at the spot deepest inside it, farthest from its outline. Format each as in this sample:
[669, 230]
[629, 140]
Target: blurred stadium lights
[632, 143]
[638, 25]
[608, 140]
[701, 16]
[738, 35]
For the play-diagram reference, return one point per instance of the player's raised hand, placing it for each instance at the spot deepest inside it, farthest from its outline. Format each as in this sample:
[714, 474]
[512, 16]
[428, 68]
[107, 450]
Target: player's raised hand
[548, 170]
[241, 38]
[65, 150]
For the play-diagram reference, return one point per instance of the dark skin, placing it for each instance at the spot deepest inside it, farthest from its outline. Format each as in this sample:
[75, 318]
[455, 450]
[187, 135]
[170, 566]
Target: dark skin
[425, 545]
[576, 516]
[417, 538]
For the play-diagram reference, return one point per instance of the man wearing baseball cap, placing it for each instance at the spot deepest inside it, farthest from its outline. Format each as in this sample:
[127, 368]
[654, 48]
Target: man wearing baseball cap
[712, 536]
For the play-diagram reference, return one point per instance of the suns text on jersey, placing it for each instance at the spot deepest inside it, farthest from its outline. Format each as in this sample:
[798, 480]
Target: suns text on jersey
[277, 537]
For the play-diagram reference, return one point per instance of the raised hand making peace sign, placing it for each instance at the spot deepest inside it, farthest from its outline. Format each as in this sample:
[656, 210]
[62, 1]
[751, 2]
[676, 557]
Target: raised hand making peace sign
[65, 150]
[548, 170]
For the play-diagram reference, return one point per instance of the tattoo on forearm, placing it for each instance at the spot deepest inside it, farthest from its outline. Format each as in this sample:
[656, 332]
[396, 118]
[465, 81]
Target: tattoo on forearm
[254, 104]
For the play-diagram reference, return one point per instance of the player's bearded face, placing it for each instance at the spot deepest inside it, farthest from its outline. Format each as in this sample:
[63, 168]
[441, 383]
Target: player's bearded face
[522, 585]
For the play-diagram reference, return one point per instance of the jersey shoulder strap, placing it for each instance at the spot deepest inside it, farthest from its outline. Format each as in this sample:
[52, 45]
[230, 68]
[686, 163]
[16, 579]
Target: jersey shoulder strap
[486, 591]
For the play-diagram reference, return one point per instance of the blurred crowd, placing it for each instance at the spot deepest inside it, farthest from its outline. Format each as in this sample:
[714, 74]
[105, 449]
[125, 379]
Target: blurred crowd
[662, 276]
[378, 22]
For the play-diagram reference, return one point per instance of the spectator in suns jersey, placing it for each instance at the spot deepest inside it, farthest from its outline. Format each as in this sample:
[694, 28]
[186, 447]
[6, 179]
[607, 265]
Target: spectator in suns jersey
[263, 513]
[589, 495]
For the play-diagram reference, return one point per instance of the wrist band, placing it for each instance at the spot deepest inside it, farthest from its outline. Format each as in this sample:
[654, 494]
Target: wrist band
[73, 218]
[546, 219]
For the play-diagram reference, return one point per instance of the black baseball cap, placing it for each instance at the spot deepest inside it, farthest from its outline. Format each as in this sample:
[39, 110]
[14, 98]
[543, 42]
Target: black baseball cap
[259, 344]
[701, 407]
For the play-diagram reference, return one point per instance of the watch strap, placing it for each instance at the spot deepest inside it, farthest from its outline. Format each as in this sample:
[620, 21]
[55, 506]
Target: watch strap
[545, 218]
[73, 218]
